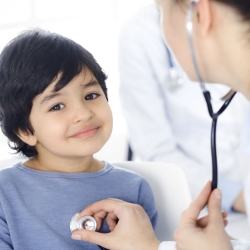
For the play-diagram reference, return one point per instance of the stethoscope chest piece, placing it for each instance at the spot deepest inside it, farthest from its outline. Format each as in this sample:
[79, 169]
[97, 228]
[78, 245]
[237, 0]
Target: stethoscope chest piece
[86, 222]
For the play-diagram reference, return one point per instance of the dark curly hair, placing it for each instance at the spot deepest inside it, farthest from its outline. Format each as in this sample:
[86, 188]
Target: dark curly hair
[28, 64]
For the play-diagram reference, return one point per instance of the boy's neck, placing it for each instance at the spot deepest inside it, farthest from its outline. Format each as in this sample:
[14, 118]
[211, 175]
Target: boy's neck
[86, 164]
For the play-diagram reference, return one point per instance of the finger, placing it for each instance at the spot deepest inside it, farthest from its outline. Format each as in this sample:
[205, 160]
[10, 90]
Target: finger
[224, 214]
[225, 221]
[118, 200]
[177, 246]
[214, 208]
[99, 217]
[198, 203]
[107, 205]
[111, 220]
[93, 237]
[203, 222]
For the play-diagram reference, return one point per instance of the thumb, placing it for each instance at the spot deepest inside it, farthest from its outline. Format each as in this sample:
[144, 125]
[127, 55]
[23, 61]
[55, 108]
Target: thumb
[214, 208]
[92, 237]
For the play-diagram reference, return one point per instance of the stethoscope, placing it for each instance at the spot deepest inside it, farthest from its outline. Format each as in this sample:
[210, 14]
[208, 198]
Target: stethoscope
[228, 97]
[86, 222]
[174, 80]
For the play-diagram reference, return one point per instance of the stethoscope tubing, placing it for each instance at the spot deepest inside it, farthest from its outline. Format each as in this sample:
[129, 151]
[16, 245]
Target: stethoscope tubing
[214, 155]
[207, 96]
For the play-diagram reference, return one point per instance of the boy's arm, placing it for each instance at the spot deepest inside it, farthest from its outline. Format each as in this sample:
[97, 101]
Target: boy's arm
[5, 240]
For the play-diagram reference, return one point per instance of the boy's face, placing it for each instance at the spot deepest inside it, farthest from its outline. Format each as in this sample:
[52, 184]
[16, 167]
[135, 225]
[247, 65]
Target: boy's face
[73, 122]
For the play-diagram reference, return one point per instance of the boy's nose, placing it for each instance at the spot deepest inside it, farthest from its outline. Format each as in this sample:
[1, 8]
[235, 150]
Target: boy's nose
[82, 113]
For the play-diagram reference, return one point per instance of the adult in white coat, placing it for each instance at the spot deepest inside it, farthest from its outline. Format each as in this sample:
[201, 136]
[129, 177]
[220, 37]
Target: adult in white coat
[167, 117]
[222, 47]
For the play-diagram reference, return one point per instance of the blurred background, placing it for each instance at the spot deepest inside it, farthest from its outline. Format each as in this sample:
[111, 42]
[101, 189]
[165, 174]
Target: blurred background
[95, 24]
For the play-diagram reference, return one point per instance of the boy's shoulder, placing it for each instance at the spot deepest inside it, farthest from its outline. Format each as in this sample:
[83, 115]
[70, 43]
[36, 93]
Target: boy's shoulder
[123, 171]
[116, 167]
[9, 176]
[9, 170]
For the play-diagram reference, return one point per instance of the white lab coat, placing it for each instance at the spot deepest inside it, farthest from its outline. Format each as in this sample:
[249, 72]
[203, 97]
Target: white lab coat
[242, 244]
[173, 125]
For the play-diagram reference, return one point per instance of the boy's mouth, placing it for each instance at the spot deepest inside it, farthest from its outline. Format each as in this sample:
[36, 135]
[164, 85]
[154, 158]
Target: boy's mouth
[86, 132]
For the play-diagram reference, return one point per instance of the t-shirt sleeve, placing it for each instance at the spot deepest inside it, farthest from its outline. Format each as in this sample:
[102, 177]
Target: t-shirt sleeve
[146, 200]
[5, 240]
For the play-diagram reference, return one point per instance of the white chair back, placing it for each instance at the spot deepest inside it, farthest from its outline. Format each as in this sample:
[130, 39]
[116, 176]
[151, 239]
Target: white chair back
[170, 189]
[9, 162]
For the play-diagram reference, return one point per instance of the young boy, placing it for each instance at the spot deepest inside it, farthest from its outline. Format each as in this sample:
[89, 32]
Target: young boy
[54, 110]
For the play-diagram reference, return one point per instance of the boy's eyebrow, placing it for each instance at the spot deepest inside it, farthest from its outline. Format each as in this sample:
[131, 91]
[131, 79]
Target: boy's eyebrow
[91, 83]
[49, 97]
[53, 95]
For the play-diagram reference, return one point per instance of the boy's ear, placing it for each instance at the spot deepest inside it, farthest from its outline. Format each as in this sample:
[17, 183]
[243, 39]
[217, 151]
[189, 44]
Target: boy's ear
[27, 137]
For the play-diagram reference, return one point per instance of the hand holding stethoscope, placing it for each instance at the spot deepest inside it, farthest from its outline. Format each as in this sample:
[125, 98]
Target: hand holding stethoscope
[133, 231]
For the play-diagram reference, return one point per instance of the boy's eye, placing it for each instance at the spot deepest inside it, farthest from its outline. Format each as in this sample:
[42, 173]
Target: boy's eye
[57, 107]
[91, 96]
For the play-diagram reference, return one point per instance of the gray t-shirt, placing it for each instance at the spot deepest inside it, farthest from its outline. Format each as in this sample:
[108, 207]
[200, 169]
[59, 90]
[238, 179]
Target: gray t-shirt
[36, 206]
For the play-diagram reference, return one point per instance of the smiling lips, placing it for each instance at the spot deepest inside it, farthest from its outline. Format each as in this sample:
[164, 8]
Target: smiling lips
[87, 132]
